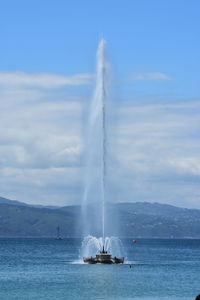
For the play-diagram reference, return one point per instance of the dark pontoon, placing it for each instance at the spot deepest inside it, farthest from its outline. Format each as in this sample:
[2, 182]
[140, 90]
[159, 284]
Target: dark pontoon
[103, 257]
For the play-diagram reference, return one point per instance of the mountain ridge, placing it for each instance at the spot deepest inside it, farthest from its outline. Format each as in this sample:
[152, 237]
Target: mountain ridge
[136, 219]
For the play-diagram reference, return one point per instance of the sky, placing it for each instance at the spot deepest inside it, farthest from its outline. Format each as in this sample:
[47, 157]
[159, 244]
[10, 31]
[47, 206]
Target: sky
[47, 71]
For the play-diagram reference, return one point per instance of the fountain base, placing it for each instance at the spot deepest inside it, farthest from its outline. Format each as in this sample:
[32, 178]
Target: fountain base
[103, 258]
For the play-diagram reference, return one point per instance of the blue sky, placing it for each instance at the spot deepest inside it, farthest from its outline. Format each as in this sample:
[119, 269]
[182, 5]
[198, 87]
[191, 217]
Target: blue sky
[143, 36]
[47, 65]
[61, 36]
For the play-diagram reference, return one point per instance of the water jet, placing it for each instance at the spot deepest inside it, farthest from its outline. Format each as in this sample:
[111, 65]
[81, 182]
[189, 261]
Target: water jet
[96, 163]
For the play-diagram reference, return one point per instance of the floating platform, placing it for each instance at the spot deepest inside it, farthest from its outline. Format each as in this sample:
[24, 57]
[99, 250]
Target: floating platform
[103, 258]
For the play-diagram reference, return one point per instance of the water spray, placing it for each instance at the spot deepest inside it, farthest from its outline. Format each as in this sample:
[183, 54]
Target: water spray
[96, 250]
[101, 77]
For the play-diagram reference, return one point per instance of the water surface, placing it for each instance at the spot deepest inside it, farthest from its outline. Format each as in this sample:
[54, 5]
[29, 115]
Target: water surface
[50, 269]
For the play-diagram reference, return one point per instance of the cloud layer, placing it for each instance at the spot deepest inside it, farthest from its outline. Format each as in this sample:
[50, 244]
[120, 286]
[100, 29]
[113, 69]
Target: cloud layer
[150, 76]
[40, 137]
[153, 147]
[43, 80]
[158, 152]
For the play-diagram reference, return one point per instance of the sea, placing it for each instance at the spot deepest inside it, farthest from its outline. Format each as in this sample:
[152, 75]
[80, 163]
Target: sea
[45, 268]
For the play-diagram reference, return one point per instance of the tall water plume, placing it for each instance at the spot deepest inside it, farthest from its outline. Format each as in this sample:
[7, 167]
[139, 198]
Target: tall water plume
[95, 209]
[95, 179]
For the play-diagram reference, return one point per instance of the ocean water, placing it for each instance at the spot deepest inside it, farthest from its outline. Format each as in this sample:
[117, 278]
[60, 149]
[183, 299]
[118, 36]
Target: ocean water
[50, 269]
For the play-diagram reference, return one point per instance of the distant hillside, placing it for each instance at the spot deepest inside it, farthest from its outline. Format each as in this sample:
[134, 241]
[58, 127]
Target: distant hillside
[12, 202]
[19, 220]
[15, 202]
[140, 219]
[144, 219]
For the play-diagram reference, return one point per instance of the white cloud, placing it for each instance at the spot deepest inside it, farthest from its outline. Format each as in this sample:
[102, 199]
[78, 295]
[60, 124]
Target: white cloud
[50, 186]
[186, 165]
[154, 76]
[156, 153]
[153, 148]
[43, 80]
[40, 138]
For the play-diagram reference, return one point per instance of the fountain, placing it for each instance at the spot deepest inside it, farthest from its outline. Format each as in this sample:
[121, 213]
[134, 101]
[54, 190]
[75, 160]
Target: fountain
[96, 250]
[94, 219]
